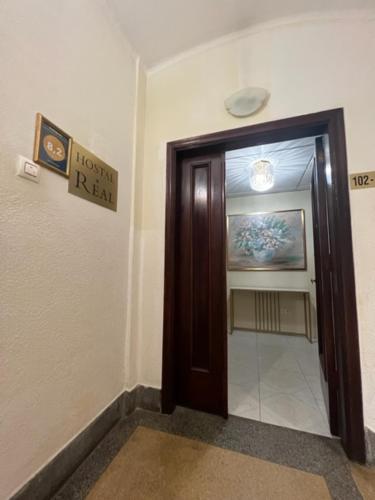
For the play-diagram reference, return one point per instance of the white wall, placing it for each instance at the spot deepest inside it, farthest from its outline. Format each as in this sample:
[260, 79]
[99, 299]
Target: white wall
[308, 66]
[64, 261]
[268, 203]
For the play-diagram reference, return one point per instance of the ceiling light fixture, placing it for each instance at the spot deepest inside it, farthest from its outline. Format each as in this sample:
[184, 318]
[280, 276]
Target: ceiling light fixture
[261, 175]
[246, 101]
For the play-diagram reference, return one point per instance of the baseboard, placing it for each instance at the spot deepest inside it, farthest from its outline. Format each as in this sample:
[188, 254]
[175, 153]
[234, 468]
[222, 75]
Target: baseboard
[48, 480]
[370, 446]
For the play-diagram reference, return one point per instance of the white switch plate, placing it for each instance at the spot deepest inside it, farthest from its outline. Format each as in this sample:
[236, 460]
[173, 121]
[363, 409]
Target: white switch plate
[28, 169]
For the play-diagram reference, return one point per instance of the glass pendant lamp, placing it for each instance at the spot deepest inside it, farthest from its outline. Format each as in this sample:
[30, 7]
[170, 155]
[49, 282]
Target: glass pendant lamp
[261, 175]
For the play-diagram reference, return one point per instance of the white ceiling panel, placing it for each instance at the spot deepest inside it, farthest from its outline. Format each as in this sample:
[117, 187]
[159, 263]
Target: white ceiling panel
[161, 29]
[292, 165]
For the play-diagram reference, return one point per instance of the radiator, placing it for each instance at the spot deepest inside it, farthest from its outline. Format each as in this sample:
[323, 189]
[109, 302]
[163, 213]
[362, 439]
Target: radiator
[267, 311]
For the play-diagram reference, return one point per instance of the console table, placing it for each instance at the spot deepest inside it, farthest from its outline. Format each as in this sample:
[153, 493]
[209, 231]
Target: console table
[272, 310]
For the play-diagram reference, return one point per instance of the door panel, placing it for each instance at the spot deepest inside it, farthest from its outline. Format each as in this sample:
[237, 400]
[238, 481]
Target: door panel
[200, 343]
[201, 286]
[322, 224]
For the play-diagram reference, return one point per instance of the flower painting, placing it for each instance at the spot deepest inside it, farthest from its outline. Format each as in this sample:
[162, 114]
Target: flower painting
[271, 241]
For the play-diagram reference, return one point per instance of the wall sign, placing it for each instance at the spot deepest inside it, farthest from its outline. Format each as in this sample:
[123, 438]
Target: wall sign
[92, 179]
[362, 180]
[52, 146]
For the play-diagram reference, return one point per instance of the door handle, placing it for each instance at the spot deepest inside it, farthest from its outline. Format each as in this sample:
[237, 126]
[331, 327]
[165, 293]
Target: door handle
[313, 280]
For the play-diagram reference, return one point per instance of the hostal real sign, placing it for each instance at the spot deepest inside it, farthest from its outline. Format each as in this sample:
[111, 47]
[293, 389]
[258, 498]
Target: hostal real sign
[92, 179]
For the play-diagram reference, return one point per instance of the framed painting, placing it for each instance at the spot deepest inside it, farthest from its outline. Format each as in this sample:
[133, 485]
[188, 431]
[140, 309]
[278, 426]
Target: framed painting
[269, 241]
[52, 146]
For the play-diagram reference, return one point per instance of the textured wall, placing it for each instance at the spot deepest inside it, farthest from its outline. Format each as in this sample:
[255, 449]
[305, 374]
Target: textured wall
[63, 260]
[307, 66]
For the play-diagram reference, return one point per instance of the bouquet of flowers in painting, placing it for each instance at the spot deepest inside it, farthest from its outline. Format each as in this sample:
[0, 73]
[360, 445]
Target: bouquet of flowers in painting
[267, 241]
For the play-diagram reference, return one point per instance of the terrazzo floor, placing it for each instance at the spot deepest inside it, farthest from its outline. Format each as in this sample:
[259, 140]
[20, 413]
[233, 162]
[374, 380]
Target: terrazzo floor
[302, 451]
[179, 468]
[275, 379]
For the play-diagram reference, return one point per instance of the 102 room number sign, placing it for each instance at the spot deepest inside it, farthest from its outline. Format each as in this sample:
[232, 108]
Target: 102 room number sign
[362, 180]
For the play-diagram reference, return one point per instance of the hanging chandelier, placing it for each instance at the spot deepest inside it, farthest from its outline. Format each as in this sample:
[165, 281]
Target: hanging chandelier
[261, 175]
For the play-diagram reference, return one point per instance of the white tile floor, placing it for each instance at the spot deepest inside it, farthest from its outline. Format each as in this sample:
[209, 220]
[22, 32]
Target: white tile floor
[275, 378]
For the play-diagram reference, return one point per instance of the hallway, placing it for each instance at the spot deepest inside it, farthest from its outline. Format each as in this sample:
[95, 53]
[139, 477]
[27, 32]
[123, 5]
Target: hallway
[276, 379]
[135, 136]
[186, 459]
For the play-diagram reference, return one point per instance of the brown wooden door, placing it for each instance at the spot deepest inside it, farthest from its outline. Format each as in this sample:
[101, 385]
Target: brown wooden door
[201, 344]
[324, 269]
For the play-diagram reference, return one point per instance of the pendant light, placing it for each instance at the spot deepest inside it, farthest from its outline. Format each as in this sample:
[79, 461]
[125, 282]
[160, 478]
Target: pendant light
[261, 175]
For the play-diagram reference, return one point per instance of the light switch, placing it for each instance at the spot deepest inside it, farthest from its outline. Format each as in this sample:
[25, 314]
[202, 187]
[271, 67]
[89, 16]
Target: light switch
[28, 169]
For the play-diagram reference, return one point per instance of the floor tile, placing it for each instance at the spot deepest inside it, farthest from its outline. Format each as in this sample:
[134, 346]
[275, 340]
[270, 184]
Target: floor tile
[309, 363]
[239, 393]
[276, 379]
[282, 381]
[299, 342]
[243, 401]
[243, 339]
[279, 360]
[243, 374]
[319, 427]
[315, 386]
[272, 339]
[246, 411]
[289, 411]
[322, 406]
[242, 354]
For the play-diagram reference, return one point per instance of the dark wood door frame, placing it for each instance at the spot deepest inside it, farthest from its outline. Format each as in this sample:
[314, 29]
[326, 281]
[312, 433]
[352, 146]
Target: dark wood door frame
[331, 122]
[325, 272]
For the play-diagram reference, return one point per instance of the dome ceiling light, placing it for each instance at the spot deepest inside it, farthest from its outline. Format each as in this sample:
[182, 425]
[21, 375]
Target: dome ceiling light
[246, 101]
[261, 175]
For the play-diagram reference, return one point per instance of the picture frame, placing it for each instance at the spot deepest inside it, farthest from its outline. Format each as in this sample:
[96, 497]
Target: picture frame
[52, 146]
[267, 241]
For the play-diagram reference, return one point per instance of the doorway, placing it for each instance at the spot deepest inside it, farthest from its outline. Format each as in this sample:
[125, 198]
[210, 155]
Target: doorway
[273, 355]
[195, 331]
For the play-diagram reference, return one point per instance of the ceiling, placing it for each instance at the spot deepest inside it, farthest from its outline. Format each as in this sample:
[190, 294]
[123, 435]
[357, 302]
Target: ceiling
[291, 160]
[161, 29]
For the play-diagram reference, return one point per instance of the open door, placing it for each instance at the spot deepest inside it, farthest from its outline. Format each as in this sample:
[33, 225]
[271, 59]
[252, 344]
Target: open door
[200, 321]
[194, 346]
[321, 181]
